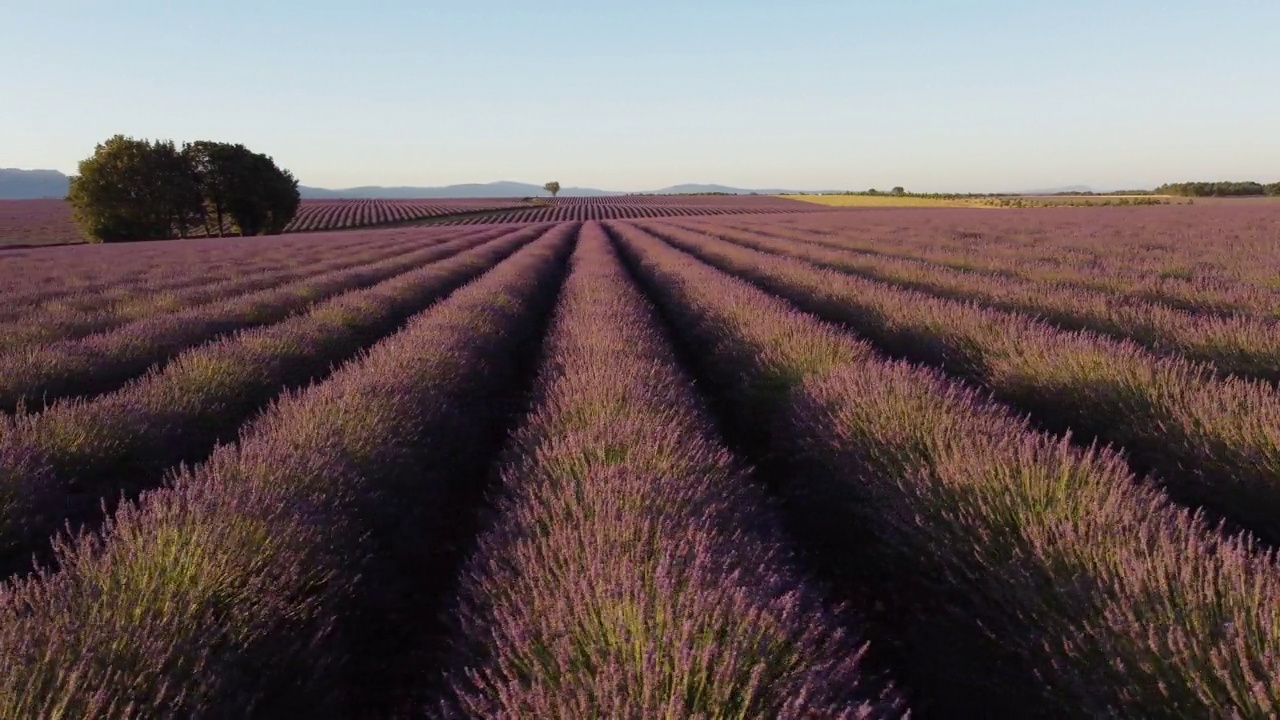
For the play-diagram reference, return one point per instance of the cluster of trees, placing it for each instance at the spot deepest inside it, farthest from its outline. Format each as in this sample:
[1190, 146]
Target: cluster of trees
[153, 190]
[1219, 189]
[1049, 201]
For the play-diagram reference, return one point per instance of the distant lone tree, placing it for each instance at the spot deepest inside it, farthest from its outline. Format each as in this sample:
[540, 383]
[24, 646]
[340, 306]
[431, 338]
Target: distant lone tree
[552, 187]
[138, 190]
[899, 190]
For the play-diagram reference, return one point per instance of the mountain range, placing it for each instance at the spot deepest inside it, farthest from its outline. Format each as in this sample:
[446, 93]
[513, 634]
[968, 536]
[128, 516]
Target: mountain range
[31, 184]
[507, 188]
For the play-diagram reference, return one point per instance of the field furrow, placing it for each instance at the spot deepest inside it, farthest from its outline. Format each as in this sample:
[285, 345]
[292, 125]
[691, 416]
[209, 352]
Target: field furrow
[625, 529]
[971, 532]
[90, 313]
[1214, 443]
[45, 276]
[103, 362]
[1231, 272]
[1237, 345]
[241, 589]
[176, 273]
[63, 466]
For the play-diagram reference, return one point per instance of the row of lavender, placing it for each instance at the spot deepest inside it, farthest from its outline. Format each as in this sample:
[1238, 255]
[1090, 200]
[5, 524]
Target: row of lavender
[49, 314]
[101, 361]
[41, 275]
[713, 200]
[635, 568]
[339, 214]
[1243, 345]
[1006, 570]
[631, 566]
[1213, 442]
[296, 571]
[61, 465]
[1221, 259]
[25, 223]
[254, 583]
[623, 208]
[28, 223]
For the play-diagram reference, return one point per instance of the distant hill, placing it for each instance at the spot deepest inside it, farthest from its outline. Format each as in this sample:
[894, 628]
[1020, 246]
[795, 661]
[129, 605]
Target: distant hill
[506, 188]
[697, 188]
[501, 189]
[32, 184]
[1069, 189]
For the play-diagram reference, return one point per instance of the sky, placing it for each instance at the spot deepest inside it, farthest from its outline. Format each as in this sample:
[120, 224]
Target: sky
[979, 96]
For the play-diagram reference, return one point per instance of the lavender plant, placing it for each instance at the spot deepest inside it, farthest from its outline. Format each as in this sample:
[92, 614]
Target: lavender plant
[1214, 443]
[105, 361]
[634, 568]
[1234, 345]
[75, 316]
[1114, 601]
[91, 453]
[227, 594]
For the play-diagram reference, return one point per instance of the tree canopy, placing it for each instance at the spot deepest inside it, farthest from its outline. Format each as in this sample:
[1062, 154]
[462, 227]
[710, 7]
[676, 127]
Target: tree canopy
[149, 190]
[1219, 189]
[552, 187]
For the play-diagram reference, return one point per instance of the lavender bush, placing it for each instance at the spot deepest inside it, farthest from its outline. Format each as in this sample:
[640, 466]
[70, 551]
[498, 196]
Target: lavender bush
[1203, 259]
[634, 569]
[1115, 602]
[92, 452]
[226, 595]
[1214, 442]
[81, 314]
[1234, 345]
[102, 362]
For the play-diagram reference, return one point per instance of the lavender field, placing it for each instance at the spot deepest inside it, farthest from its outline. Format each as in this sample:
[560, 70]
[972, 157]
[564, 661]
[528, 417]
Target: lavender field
[35, 223]
[638, 458]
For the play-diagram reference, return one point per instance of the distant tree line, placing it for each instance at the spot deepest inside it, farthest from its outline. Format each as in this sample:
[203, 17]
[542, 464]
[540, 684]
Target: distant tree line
[1219, 189]
[155, 190]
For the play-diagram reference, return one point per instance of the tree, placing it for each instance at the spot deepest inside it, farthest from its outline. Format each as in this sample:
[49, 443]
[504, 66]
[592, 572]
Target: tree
[243, 189]
[552, 187]
[213, 163]
[1213, 189]
[134, 190]
[263, 197]
[899, 190]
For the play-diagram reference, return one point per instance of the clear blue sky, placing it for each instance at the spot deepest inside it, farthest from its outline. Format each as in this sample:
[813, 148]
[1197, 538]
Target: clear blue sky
[981, 95]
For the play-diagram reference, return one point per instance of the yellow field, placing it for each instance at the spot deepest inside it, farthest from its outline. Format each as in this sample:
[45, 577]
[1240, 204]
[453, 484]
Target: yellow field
[999, 201]
[878, 201]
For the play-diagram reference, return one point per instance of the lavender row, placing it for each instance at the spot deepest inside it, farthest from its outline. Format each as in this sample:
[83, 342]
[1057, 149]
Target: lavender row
[61, 466]
[1109, 600]
[633, 570]
[587, 212]
[176, 273]
[77, 316]
[1215, 443]
[104, 361]
[1196, 259]
[1234, 345]
[46, 274]
[231, 594]
[336, 214]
